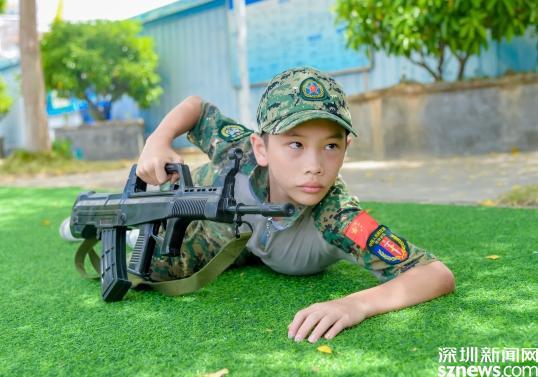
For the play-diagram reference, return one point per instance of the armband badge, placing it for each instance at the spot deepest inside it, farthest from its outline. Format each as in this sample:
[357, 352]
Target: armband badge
[233, 132]
[387, 246]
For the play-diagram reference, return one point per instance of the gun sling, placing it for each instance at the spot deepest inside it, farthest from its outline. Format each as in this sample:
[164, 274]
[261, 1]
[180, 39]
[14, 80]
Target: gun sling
[222, 260]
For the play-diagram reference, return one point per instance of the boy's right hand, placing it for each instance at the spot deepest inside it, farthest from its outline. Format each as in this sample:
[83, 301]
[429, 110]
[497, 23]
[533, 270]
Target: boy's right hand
[150, 166]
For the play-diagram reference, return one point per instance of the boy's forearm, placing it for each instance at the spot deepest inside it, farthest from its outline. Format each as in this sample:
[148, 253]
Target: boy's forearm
[419, 284]
[178, 121]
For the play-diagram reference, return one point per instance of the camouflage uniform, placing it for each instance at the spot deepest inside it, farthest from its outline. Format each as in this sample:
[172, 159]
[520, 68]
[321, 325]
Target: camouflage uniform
[316, 236]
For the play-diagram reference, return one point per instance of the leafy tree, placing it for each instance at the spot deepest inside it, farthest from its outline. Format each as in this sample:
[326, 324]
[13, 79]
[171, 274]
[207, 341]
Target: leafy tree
[108, 57]
[5, 99]
[422, 29]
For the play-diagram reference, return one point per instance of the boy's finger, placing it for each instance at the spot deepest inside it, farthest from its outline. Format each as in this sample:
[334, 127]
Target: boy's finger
[307, 326]
[296, 322]
[160, 174]
[174, 177]
[143, 173]
[321, 328]
[333, 331]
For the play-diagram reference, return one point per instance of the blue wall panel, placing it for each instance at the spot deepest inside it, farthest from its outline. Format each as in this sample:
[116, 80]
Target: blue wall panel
[11, 124]
[195, 50]
[194, 60]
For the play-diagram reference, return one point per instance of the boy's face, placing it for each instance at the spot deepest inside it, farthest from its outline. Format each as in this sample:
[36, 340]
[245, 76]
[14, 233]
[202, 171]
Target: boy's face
[304, 162]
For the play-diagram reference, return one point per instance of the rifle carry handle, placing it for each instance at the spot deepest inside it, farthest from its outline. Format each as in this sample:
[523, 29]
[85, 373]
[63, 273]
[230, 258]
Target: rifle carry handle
[183, 171]
[136, 184]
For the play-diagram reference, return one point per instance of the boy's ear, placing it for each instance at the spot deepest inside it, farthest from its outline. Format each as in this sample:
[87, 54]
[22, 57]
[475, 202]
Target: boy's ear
[259, 148]
[348, 141]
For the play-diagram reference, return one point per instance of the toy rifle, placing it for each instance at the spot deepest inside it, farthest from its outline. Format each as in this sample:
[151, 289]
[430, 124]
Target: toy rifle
[106, 217]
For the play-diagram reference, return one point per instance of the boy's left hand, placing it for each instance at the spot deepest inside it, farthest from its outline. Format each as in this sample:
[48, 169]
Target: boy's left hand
[327, 318]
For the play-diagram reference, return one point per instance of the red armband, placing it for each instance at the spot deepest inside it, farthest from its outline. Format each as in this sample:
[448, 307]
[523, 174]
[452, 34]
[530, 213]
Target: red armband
[360, 228]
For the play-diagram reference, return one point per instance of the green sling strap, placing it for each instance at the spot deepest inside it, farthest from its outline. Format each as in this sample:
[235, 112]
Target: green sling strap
[222, 260]
[86, 248]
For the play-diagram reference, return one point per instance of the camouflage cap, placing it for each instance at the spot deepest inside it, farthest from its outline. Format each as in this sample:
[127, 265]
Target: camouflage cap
[298, 95]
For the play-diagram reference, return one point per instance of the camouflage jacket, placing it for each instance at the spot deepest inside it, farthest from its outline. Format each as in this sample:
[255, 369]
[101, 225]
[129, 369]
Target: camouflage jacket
[306, 243]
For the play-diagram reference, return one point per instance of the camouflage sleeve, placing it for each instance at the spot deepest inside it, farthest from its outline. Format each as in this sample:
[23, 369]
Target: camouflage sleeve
[215, 134]
[345, 225]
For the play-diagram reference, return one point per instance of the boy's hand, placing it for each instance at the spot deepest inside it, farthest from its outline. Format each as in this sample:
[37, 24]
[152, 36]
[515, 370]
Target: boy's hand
[151, 162]
[325, 318]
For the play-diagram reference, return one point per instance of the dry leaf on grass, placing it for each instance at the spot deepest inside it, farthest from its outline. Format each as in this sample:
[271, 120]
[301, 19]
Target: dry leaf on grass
[325, 349]
[493, 257]
[219, 373]
[488, 203]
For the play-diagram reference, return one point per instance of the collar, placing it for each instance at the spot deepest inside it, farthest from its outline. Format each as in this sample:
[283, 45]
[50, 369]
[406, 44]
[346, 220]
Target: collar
[259, 184]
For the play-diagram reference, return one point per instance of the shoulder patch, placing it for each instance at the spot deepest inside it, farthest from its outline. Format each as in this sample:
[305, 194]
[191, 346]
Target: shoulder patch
[233, 132]
[387, 246]
[312, 90]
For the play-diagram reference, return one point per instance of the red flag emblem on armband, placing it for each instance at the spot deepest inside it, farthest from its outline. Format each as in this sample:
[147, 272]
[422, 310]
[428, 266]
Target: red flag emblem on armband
[360, 228]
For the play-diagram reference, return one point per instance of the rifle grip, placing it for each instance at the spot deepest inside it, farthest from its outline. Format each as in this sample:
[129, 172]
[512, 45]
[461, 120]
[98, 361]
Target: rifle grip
[114, 281]
[173, 238]
[143, 251]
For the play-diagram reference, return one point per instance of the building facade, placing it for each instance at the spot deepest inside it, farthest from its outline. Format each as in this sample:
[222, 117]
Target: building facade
[196, 44]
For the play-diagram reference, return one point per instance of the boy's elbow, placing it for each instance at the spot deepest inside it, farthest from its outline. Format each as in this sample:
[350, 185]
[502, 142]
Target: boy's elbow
[194, 100]
[446, 278]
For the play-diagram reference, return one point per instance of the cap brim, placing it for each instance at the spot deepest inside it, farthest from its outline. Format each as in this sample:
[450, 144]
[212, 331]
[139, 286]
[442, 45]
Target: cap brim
[302, 116]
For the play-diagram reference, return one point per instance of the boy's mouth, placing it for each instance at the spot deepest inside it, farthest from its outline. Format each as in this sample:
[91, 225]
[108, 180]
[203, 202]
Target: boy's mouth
[311, 188]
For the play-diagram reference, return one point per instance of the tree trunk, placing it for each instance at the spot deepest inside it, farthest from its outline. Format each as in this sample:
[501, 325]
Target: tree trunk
[33, 87]
[96, 114]
[441, 61]
[462, 60]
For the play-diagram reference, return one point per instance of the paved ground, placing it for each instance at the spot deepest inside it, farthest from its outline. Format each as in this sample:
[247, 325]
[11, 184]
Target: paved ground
[470, 179]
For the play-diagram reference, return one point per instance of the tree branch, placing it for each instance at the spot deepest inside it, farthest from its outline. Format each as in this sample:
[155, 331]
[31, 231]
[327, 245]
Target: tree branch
[422, 63]
[94, 110]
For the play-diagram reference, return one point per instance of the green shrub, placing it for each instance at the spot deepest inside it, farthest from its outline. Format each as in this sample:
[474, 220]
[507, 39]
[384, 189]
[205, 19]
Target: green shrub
[62, 148]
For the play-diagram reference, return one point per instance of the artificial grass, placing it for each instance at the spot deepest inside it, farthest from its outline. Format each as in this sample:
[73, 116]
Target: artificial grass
[54, 323]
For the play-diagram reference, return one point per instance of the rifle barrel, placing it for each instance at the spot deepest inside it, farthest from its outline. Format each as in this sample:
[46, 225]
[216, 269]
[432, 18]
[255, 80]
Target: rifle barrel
[286, 209]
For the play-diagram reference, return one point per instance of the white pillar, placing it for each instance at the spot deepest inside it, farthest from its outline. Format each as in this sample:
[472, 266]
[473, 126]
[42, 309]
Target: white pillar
[242, 62]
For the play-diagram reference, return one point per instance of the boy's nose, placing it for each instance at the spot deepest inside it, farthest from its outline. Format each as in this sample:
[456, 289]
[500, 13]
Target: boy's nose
[314, 165]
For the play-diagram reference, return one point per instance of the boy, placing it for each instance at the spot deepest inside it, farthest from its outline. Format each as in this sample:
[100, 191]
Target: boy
[304, 126]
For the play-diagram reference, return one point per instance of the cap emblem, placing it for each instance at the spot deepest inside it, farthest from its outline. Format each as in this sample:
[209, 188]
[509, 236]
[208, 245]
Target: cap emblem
[312, 90]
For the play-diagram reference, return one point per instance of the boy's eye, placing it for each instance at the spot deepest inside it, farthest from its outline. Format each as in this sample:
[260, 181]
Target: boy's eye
[332, 146]
[295, 145]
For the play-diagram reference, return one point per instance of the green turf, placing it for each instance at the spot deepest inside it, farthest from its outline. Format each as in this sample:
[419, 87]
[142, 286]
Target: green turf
[54, 323]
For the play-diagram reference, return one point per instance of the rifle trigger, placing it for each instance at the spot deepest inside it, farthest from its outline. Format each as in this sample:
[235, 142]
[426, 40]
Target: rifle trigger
[158, 240]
